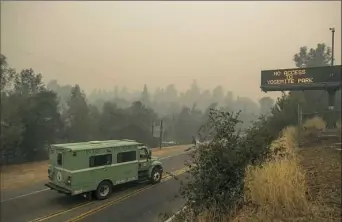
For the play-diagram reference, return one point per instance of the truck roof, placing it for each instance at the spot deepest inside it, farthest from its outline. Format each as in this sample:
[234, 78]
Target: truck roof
[97, 144]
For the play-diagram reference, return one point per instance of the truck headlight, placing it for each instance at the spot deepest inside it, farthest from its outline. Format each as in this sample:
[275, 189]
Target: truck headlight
[68, 182]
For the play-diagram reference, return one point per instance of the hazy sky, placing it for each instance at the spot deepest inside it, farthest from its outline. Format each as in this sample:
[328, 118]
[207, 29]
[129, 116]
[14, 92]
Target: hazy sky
[102, 44]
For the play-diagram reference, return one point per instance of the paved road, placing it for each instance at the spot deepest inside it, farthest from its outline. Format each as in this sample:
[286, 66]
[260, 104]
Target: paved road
[149, 206]
[62, 208]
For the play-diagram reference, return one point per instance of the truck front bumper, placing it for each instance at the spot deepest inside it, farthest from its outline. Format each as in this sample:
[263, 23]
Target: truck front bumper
[57, 188]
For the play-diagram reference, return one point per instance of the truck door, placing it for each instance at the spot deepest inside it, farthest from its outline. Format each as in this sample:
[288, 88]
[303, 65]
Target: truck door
[127, 166]
[143, 159]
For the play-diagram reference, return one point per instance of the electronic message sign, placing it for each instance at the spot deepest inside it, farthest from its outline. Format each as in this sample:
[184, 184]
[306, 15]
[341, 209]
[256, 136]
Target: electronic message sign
[313, 78]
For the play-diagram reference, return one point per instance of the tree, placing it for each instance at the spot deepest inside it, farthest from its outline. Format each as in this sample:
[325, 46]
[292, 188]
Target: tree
[77, 116]
[94, 119]
[206, 99]
[27, 83]
[171, 94]
[11, 129]
[218, 94]
[192, 95]
[42, 122]
[228, 100]
[112, 119]
[63, 94]
[145, 96]
[320, 56]
[266, 103]
[183, 134]
[139, 124]
[315, 100]
[29, 119]
[7, 74]
[141, 115]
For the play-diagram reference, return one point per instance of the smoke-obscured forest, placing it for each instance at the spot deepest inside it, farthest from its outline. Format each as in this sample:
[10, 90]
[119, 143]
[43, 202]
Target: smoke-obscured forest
[35, 113]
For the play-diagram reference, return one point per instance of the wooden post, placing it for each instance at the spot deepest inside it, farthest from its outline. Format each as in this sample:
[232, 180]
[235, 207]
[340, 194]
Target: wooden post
[152, 128]
[299, 111]
[161, 134]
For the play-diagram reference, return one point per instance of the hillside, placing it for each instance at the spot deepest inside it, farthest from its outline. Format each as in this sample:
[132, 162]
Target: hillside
[299, 183]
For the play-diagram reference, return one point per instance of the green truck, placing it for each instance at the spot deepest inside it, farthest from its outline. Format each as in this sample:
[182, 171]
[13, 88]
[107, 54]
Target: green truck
[93, 168]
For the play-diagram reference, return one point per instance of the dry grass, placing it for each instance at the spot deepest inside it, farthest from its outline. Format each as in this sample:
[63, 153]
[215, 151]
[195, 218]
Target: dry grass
[277, 190]
[303, 186]
[19, 175]
[315, 123]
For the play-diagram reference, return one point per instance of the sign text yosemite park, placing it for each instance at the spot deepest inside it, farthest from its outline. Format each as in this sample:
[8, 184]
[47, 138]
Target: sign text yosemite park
[324, 77]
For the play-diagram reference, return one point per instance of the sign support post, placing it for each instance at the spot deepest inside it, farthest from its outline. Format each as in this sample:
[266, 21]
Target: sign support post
[161, 134]
[331, 106]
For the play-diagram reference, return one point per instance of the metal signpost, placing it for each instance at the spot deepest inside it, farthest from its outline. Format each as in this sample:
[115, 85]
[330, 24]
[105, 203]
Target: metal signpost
[157, 132]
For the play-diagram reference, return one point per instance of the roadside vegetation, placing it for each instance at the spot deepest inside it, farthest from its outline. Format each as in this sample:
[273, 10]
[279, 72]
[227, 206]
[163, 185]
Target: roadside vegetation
[265, 175]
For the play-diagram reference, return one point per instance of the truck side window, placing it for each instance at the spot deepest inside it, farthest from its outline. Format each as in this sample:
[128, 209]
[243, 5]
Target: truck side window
[126, 156]
[59, 159]
[100, 160]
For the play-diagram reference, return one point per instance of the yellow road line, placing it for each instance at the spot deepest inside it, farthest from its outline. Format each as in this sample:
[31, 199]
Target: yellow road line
[44, 218]
[97, 209]
[61, 212]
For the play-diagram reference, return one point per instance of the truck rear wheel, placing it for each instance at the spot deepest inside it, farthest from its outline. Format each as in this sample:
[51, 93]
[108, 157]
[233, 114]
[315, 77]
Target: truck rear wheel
[156, 175]
[104, 190]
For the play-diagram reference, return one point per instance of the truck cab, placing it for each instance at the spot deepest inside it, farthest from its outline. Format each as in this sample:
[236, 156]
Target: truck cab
[149, 167]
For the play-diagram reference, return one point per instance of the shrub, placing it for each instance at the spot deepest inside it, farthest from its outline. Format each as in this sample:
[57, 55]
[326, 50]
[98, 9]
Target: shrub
[217, 179]
[217, 170]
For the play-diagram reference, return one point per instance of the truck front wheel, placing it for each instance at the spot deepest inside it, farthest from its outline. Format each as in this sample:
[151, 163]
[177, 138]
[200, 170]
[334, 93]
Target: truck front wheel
[104, 190]
[156, 175]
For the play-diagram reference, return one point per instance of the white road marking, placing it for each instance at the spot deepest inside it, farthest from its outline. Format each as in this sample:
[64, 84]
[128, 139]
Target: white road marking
[173, 216]
[39, 191]
[24, 195]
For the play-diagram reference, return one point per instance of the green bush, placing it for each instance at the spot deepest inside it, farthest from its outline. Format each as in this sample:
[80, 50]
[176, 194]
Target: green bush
[217, 168]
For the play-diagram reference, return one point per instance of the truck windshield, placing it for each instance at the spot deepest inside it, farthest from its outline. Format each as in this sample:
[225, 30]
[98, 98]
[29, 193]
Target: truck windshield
[142, 153]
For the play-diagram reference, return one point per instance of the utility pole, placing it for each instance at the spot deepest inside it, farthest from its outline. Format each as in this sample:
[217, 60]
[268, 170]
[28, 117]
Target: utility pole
[152, 129]
[332, 44]
[331, 93]
[161, 134]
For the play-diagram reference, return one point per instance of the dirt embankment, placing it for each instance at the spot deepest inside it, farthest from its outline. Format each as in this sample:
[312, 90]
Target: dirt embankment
[304, 186]
[15, 176]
